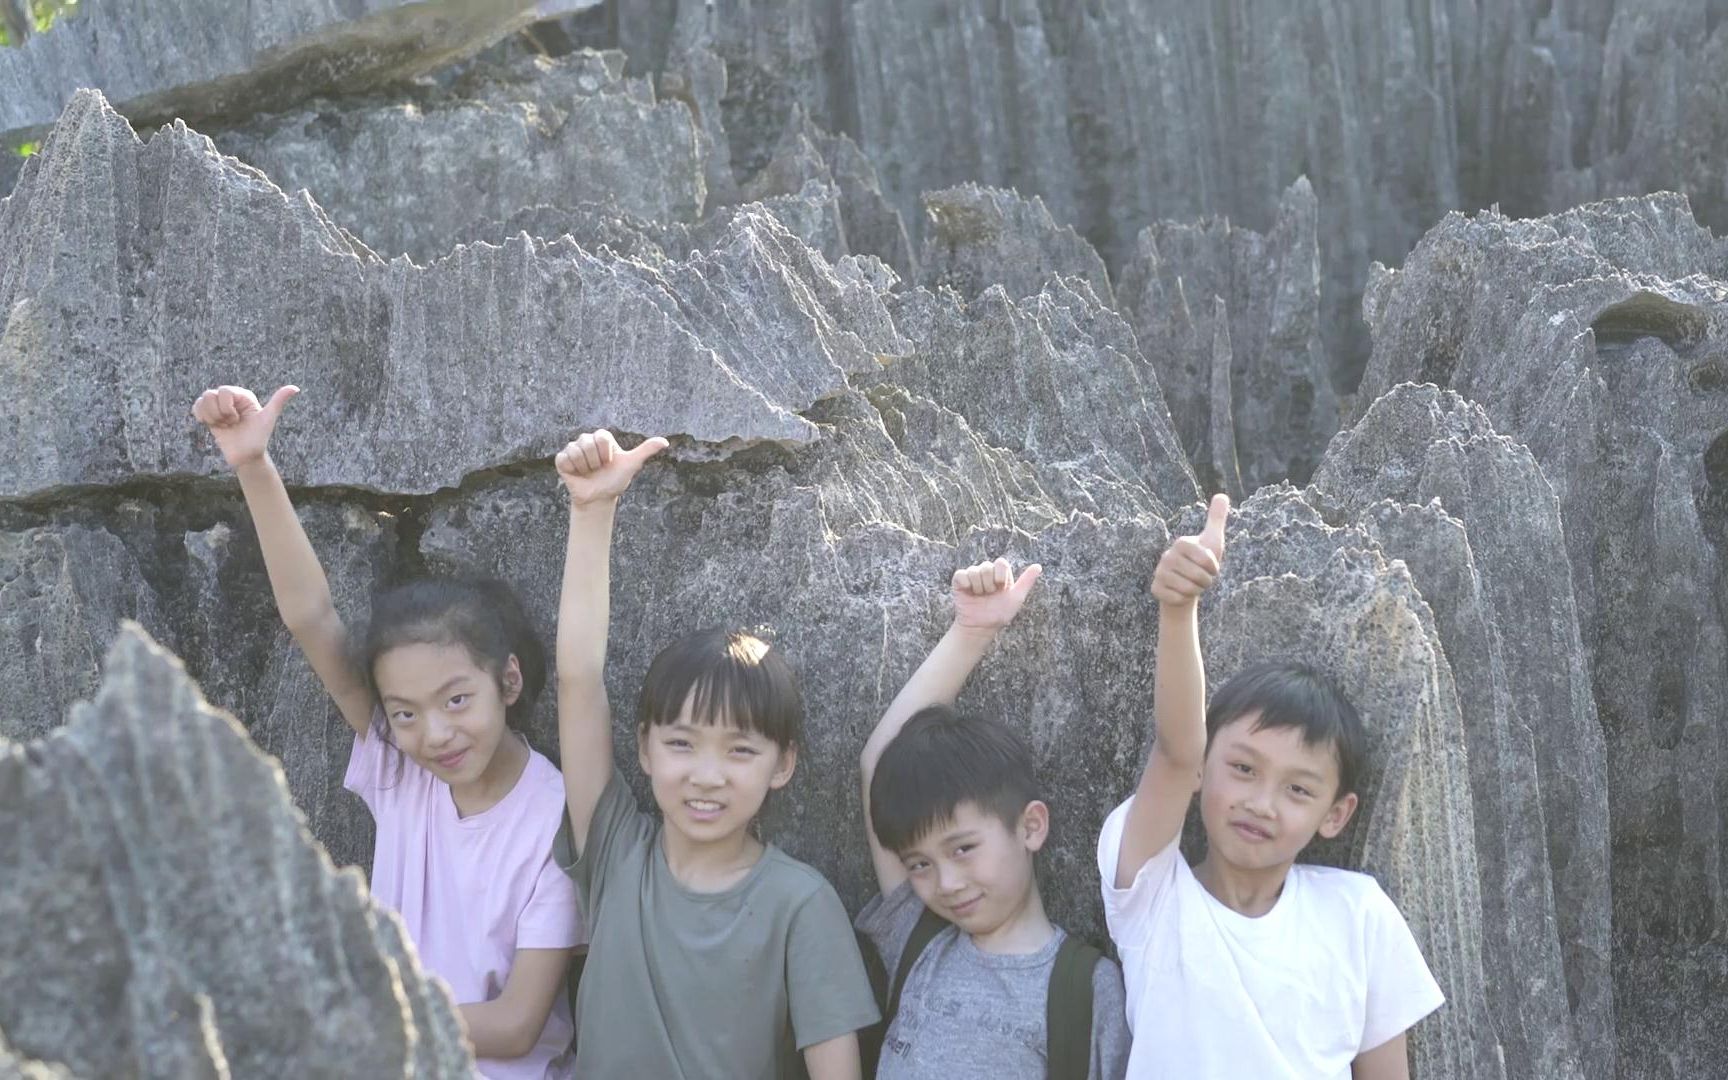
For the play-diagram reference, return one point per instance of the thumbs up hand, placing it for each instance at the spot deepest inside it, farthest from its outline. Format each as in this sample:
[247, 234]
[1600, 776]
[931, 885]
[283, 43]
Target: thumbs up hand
[1191, 563]
[595, 467]
[988, 596]
[241, 426]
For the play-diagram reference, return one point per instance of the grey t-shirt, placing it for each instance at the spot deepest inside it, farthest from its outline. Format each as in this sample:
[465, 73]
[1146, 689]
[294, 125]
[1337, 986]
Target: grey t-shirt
[683, 985]
[966, 1014]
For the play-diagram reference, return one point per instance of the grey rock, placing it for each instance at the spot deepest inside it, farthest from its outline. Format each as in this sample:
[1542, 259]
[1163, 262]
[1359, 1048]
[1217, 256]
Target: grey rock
[168, 296]
[1538, 764]
[1055, 378]
[976, 237]
[198, 59]
[1230, 318]
[1597, 337]
[408, 170]
[209, 934]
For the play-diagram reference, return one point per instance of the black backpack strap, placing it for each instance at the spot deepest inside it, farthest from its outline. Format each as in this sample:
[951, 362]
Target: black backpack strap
[929, 924]
[1068, 1010]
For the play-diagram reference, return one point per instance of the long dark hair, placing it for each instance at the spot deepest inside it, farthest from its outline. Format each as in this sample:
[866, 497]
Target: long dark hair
[481, 614]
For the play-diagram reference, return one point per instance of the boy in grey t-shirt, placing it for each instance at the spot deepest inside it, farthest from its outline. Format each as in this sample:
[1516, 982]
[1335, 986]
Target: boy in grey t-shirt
[954, 823]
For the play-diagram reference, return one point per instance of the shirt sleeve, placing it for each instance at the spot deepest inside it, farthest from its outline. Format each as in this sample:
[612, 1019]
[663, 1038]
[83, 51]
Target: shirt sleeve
[1128, 912]
[1401, 990]
[367, 762]
[887, 920]
[1110, 1039]
[826, 985]
[618, 827]
[552, 918]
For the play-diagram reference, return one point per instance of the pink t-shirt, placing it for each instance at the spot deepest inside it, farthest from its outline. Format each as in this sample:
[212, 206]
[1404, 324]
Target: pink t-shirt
[473, 890]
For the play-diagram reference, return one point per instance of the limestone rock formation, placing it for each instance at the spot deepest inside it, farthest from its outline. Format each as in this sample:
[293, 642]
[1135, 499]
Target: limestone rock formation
[1596, 337]
[1539, 773]
[409, 170]
[1231, 320]
[976, 237]
[211, 935]
[204, 58]
[169, 296]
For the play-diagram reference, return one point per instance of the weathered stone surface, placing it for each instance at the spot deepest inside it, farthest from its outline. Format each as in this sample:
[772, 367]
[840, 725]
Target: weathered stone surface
[1583, 336]
[166, 913]
[408, 171]
[170, 293]
[190, 572]
[976, 237]
[198, 58]
[1539, 775]
[1231, 320]
[1055, 378]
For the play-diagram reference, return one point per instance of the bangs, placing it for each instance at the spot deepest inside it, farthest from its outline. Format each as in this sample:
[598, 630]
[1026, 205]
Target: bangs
[729, 678]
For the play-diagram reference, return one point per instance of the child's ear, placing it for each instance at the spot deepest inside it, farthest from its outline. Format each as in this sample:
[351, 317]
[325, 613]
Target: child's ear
[1035, 825]
[510, 679]
[783, 769]
[642, 751]
[1339, 816]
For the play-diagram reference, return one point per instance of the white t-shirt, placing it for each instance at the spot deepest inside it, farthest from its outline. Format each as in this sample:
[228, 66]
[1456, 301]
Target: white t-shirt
[1330, 972]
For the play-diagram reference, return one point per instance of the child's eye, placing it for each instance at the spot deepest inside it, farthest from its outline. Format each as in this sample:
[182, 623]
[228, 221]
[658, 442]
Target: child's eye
[917, 866]
[459, 700]
[1300, 791]
[747, 750]
[402, 717]
[678, 744]
[1242, 767]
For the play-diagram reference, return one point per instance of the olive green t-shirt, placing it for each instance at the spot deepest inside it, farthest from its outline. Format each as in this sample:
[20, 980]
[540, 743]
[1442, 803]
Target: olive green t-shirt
[682, 985]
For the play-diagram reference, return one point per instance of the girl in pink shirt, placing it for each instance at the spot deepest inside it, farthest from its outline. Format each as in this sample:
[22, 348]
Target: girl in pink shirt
[466, 810]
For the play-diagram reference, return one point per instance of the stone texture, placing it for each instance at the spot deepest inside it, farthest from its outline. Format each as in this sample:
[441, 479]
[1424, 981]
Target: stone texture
[212, 935]
[1597, 338]
[976, 237]
[1231, 320]
[193, 270]
[200, 59]
[409, 170]
[1539, 777]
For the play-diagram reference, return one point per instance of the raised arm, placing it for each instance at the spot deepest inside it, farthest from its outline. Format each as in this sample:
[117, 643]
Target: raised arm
[242, 428]
[986, 599]
[595, 471]
[1186, 569]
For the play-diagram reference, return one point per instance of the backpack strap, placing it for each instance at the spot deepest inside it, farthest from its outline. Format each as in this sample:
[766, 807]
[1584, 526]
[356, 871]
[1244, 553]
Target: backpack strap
[1068, 1010]
[929, 924]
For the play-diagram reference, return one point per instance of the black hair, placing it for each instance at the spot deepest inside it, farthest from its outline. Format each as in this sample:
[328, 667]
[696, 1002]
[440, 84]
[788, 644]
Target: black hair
[483, 615]
[943, 758]
[1287, 694]
[729, 676]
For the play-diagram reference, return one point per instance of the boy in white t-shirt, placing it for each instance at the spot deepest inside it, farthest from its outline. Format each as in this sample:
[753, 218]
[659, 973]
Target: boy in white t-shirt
[1249, 964]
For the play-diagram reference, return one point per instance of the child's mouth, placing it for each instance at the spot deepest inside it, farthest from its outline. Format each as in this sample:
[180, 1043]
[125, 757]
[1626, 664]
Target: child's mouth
[1250, 832]
[450, 761]
[703, 809]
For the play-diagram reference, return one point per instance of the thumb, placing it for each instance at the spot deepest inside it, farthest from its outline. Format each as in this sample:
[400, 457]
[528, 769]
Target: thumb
[646, 449]
[1212, 536]
[1028, 578]
[279, 401]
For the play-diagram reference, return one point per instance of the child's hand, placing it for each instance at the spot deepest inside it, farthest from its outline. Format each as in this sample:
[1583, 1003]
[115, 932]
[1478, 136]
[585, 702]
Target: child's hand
[595, 468]
[1190, 565]
[988, 596]
[241, 426]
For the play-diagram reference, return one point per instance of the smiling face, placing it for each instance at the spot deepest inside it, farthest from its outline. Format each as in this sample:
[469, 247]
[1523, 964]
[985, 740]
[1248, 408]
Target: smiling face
[445, 711]
[711, 779]
[975, 870]
[1264, 794]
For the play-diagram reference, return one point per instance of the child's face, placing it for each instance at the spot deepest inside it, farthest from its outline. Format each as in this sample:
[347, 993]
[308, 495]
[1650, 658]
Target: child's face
[710, 780]
[445, 711]
[1264, 795]
[975, 870]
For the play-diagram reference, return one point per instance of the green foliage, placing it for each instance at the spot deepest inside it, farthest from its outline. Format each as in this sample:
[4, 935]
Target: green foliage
[41, 14]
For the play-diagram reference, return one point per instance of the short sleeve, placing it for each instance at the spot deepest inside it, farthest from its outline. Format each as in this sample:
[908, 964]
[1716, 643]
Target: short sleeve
[1128, 912]
[826, 985]
[366, 764]
[552, 918]
[1110, 1039]
[1401, 990]
[617, 828]
[887, 920]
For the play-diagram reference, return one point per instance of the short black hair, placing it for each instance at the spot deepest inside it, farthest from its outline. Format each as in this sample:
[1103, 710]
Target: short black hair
[1287, 694]
[736, 677]
[943, 758]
